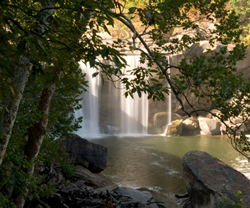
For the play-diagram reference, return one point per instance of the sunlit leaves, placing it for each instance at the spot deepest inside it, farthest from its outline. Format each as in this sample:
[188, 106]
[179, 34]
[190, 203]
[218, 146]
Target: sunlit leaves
[242, 8]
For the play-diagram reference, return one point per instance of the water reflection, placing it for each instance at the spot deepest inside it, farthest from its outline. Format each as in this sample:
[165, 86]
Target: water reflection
[155, 162]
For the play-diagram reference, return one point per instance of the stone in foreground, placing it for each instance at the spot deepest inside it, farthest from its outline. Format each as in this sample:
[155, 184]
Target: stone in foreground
[142, 197]
[87, 154]
[208, 180]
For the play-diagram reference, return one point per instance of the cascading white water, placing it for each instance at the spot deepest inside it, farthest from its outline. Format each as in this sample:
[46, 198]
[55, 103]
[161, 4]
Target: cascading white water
[169, 107]
[134, 119]
[106, 110]
[90, 105]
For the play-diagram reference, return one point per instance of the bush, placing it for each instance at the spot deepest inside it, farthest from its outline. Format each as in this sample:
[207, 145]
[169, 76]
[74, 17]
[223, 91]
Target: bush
[236, 204]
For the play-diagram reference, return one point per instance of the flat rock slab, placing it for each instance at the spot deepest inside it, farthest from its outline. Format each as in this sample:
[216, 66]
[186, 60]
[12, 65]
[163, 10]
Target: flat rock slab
[92, 179]
[208, 180]
[162, 200]
[142, 197]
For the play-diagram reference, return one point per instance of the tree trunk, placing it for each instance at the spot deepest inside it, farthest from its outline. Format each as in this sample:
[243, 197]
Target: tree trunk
[38, 129]
[11, 104]
[36, 133]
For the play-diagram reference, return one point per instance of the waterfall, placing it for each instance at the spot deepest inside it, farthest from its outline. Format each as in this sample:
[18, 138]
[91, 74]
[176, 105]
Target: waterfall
[106, 110]
[134, 118]
[90, 105]
[169, 107]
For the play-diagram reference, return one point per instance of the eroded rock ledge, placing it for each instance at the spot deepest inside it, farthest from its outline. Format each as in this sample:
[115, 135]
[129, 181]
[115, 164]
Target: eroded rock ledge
[209, 180]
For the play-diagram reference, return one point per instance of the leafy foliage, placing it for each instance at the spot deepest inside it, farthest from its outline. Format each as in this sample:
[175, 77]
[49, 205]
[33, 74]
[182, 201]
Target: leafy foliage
[71, 33]
[15, 180]
[242, 8]
[211, 74]
[236, 204]
[61, 122]
[68, 169]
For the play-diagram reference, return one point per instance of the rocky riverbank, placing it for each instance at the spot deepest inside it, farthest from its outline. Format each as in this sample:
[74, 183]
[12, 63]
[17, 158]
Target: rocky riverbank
[183, 125]
[87, 187]
[207, 179]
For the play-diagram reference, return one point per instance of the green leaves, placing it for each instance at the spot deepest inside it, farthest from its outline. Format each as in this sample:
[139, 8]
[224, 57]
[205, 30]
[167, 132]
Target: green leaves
[92, 62]
[117, 62]
[21, 46]
[95, 74]
[236, 204]
[74, 32]
[105, 52]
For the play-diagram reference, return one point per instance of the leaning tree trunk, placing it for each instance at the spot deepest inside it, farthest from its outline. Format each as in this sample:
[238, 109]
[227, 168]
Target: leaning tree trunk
[11, 105]
[38, 129]
[36, 133]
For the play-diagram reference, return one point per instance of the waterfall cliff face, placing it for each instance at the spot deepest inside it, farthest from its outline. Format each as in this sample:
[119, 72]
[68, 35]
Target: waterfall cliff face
[106, 110]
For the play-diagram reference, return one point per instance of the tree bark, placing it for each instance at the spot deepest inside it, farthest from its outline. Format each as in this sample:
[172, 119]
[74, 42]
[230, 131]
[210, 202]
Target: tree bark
[38, 129]
[8, 115]
[11, 104]
[36, 133]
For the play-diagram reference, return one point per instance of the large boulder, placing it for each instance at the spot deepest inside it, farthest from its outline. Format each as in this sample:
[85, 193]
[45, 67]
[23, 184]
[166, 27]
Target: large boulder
[190, 123]
[213, 113]
[174, 129]
[244, 66]
[223, 128]
[190, 126]
[161, 119]
[208, 180]
[209, 126]
[87, 154]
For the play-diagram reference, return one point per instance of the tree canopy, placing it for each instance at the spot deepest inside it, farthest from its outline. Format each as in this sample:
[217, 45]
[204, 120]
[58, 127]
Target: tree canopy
[242, 8]
[43, 41]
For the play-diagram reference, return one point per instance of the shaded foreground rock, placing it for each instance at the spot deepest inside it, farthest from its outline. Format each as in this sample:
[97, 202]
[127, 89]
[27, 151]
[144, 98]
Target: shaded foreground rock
[161, 199]
[145, 197]
[87, 154]
[86, 189]
[91, 190]
[208, 180]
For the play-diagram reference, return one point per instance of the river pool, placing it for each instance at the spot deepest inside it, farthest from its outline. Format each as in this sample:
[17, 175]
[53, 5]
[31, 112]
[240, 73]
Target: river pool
[155, 162]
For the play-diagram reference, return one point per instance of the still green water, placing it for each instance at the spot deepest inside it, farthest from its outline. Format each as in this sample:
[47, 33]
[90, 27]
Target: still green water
[155, 162]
